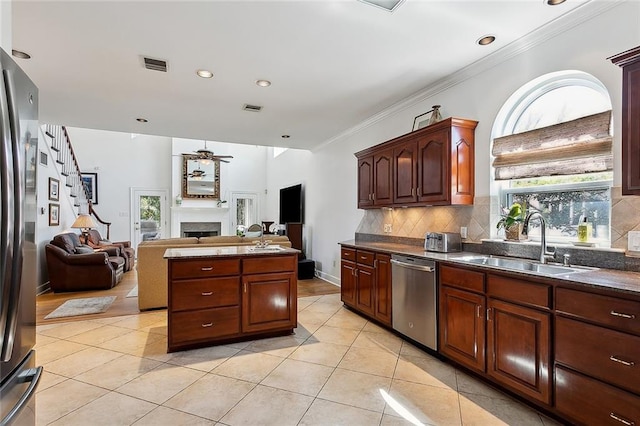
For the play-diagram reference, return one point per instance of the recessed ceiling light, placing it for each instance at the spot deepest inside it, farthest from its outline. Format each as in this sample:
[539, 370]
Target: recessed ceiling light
[142, 120]
[285, 136]
[554, 2]
[204, 73]
[263, 83]
[485, 40]
[20, 54]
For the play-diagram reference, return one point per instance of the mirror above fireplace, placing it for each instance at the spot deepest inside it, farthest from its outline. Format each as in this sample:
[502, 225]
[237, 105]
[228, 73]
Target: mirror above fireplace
[200, 177]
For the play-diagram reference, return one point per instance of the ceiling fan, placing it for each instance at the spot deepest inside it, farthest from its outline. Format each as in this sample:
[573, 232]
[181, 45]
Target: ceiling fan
[205, 154]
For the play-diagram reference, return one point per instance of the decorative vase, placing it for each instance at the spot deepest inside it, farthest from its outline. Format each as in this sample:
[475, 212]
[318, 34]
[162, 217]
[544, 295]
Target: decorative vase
[435, 115]
[514, 233]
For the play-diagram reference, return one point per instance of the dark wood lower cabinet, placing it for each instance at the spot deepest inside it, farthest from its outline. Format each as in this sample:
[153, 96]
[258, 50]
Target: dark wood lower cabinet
[519, 344]
[268, 302]
[366, 283]
[591, 402]
[461, 327]
[218, 299]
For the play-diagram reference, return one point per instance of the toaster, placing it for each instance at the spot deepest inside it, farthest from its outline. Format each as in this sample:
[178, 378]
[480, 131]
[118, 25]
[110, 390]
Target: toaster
[442, 242]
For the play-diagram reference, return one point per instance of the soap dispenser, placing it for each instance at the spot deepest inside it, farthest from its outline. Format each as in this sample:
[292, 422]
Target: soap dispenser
[584, 230]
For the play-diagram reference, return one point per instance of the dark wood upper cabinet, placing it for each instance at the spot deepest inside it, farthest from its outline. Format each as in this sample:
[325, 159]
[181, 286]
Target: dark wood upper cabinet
[430, 166]
[383, 178]
[365, 182]
[630, 63]
[405, 160]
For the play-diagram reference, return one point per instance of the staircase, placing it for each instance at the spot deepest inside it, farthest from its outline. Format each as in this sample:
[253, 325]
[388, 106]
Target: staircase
[68, 164]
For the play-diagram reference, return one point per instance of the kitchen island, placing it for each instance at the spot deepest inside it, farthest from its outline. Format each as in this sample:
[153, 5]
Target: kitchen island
[224, 294]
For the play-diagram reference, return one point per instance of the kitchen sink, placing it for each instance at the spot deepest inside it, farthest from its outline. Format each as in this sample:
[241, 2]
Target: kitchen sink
[266, 248]
[523, 265]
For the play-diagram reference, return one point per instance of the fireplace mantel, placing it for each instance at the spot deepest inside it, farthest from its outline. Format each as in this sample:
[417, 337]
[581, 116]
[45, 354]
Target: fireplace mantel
[199, 214]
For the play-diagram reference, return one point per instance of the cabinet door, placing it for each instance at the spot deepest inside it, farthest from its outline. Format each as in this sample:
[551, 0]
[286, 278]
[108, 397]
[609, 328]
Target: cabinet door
[383, 178]
[433, 168]
[383, 289]
[518, 344]
[365, 182]
[462, 327]
[405, 159]
[269, 302]
[461, 169]
[348, 283]
[365, 289]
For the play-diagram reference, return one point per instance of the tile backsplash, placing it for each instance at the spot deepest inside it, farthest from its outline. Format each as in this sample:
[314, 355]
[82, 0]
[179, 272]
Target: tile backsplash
[414, 222]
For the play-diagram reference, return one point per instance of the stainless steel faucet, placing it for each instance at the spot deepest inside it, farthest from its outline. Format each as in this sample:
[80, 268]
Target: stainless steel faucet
[545, 254]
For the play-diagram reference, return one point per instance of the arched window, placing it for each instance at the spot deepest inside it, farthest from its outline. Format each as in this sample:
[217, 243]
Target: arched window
[552, 152]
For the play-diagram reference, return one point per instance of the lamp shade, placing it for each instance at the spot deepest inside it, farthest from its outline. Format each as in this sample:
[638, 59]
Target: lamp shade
[84, 221]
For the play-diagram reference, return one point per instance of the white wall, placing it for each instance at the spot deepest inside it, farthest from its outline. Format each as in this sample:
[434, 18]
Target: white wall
[121, 162]
[5, 25]
[331, 171]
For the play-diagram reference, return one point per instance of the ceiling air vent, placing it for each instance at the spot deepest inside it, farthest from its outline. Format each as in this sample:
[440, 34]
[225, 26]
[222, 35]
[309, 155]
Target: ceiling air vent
[254, 108]
[155, 64]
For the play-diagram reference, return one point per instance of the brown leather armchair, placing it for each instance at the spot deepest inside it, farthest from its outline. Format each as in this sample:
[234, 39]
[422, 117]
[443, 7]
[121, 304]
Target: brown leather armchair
[76, 267]
[127, 252]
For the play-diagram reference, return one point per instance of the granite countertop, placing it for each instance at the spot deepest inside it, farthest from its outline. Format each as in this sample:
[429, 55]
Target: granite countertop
[617, 280]
[226, 251]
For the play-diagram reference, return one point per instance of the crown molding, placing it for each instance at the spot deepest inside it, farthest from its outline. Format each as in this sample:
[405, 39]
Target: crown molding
[561, 24]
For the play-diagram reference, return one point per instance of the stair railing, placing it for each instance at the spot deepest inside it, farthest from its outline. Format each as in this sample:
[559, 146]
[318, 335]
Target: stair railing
[66, 157]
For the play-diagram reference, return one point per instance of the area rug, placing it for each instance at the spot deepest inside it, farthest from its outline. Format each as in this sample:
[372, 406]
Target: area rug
[85, 306]
[133, 292]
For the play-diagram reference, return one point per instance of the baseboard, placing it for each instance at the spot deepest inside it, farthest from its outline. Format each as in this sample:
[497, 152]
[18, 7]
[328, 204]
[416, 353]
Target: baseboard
[328, 278]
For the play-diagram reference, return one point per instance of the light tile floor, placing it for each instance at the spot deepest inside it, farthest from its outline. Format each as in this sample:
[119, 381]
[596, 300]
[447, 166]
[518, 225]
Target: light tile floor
[338, 369]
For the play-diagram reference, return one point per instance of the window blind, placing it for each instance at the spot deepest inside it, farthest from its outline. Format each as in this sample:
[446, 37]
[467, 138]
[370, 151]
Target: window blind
[578, 146]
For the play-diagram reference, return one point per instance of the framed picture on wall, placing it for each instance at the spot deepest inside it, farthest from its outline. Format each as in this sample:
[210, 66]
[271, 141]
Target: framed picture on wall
[54, 214]
[90, 182]
[54, 188]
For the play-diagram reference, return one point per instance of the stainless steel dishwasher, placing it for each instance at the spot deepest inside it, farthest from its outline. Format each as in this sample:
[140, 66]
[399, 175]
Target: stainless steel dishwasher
[413, 282]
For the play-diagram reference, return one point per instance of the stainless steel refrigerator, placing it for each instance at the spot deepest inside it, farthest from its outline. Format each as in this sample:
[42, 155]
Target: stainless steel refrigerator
[18, 162]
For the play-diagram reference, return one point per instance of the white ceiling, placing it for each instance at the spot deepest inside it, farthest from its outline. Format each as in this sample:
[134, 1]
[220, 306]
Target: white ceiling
[333, 64]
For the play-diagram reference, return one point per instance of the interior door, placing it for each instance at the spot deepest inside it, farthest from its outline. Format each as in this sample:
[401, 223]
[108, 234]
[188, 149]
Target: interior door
[148, 214]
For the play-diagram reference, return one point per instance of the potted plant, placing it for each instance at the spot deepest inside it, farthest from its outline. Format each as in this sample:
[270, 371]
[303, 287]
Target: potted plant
[512, 222]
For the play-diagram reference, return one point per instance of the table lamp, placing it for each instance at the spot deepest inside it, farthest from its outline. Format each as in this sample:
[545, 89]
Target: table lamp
[84, 223]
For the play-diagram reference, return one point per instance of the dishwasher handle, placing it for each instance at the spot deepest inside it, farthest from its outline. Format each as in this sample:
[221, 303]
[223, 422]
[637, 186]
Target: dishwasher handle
[413, 266]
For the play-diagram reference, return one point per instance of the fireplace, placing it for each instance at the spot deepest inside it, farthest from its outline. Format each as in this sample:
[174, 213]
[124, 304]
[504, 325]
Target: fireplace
[200, 229]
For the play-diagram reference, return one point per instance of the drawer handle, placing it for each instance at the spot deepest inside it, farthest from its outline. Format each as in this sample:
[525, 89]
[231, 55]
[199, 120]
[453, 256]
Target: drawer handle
[622, 420]
[209, 324]
[363, 257]
[621, 361]
[207, 268]
[207, 293]
[622, 315]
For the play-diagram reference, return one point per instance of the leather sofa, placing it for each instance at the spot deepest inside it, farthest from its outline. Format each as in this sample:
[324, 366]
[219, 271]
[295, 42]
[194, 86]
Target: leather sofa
[127, 252]
[153, 268]
[73, 266]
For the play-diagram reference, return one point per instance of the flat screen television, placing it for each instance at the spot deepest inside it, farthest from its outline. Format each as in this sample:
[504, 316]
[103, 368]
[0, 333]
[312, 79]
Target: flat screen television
[292, 204]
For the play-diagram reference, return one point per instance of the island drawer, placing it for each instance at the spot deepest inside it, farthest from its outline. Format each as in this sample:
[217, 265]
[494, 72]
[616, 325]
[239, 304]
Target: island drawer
[591, 402]
[611, 311]
[200, 268]
[348, 254]
[205, 324]
[261, 265]
[519, 291]
[462, 278]
[605, 354]
[205, 293]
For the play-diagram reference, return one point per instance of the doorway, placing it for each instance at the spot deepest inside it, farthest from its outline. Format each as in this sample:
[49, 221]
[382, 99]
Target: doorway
[245, 209]
[148, 215]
